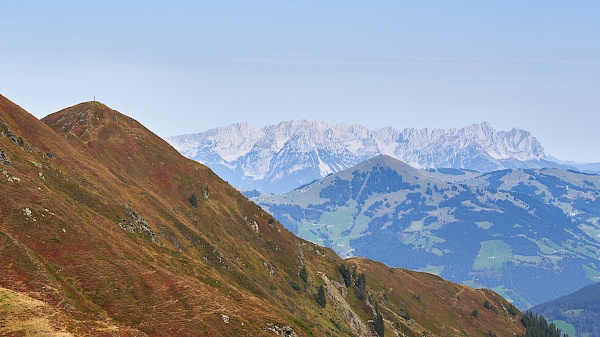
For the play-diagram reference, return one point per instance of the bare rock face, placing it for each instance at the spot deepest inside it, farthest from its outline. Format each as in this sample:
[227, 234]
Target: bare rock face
[285, 331]
[5, 131]
[278, 158]
[4, 158]
[136, 224]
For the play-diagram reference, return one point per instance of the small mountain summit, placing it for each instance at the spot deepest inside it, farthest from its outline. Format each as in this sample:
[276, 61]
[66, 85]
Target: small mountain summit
[384, 160]
[127, 149]
[95, 122]
[81, 120]
[278, 158]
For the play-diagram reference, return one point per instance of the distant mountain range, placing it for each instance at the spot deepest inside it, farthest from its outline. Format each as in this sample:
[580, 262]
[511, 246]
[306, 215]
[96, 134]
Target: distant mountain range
[279, 158]
[530, 234]
[585, 167]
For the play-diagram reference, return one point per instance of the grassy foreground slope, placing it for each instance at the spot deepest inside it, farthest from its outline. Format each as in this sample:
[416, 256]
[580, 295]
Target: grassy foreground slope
[107, 231]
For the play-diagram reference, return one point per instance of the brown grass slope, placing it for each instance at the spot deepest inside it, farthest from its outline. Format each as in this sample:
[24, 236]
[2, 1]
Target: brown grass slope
[97, 227]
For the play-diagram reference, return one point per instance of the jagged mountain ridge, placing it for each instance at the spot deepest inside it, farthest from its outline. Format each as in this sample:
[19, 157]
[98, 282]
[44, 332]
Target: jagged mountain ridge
[100, 236]
[278, 158]
[500, 229]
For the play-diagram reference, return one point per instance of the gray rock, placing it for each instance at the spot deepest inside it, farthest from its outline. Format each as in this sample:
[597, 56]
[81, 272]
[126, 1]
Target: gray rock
[4, 158]
[135, 223]
[286, 331]
[5, 131]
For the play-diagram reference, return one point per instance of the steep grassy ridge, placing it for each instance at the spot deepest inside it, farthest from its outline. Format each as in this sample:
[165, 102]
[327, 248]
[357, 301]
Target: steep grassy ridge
[108, 228]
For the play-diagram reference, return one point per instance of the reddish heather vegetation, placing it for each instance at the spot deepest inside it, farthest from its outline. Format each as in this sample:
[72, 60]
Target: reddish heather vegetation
[99, 236]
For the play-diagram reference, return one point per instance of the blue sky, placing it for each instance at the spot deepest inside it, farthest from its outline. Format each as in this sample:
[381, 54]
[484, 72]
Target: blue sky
[188, 66]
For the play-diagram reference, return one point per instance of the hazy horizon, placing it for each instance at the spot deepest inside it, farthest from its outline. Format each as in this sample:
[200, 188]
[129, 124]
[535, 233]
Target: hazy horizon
[187, 67]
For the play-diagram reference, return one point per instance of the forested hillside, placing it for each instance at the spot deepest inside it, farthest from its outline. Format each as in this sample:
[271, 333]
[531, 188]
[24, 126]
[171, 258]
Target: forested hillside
[532, 234]
[580, 309]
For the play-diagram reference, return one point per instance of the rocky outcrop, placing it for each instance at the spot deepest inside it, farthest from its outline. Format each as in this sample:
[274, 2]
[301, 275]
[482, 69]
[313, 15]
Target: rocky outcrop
[5, 131]
[135, 223]
[285, 331]
[4, 158]
[336, 295]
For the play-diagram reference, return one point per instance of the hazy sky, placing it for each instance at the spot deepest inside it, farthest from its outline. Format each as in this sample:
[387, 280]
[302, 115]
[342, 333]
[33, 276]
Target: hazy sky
[188, 66]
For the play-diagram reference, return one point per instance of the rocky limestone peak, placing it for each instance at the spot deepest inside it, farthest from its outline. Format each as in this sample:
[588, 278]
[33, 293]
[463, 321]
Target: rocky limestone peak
[515, 143]
[317, 148]
[232, 141]
[481, 132]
